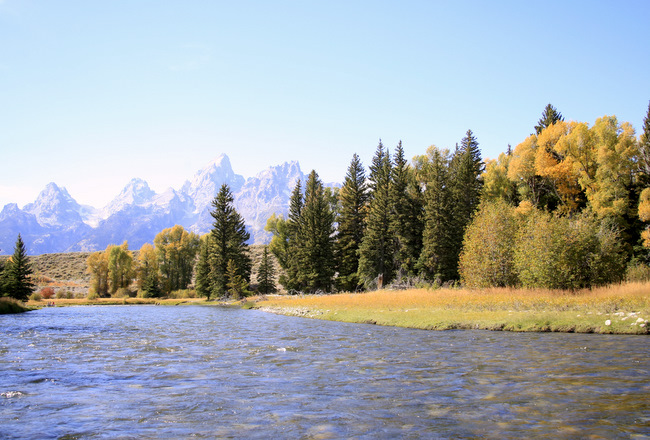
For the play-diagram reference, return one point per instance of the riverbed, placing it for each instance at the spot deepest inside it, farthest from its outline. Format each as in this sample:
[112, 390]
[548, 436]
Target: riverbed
[145, 372]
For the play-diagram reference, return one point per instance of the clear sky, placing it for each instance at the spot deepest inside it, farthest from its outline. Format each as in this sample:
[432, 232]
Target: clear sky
[93, 93]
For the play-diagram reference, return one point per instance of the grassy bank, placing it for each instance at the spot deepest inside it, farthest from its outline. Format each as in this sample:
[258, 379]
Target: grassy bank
[115, 301]
[8, 305]
[623, 309]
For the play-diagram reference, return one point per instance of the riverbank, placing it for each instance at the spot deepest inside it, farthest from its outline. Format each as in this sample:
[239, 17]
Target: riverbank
[620, 309]
[115, 302]
[10, 306]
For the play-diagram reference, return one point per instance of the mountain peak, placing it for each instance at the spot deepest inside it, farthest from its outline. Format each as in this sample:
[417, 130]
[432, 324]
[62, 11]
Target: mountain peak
[206, 182]
[136, 192]
[55, 207]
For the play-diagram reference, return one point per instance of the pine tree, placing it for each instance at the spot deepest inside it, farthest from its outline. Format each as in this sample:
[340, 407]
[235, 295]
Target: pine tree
[202, 269]
[237, 285]
[549, 117]
[353, 199]
[376, 251]
[406, 215]
[465, 184]
[229, 242]
[315, 244]
[437, 260]
[290, 278]
[17, 273]
[266, 274]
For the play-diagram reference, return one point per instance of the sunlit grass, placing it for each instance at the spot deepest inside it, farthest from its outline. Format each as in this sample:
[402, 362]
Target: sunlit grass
[625, 306]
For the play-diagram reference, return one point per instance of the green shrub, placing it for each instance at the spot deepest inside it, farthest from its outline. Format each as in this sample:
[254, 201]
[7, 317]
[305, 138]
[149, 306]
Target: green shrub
[487, 258]
[637, 272]
[183, 293]
[123, 292]
[92, 295]
[567, 253]
[35, 296]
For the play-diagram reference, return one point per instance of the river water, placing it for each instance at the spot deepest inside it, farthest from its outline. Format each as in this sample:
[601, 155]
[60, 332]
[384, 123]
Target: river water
[145, 372]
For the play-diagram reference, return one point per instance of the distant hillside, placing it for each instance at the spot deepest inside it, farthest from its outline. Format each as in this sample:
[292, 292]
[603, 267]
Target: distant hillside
[67, 271]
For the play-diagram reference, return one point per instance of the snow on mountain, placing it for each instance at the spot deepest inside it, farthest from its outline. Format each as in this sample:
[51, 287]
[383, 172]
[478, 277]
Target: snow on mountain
[55, 207]
[265, 194]
[55, 222]
[136, 192]
[206, 183]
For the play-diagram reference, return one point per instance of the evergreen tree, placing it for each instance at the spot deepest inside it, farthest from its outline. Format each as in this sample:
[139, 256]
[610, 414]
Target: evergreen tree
[202, 269]
[229, 242]
[437, 260]
[266, 274]
[17, 273]
[315, 244]
[465, 185]
[549, 117]
[237, 285]
[353, 201]
[290, 278]
[376, 251]
[151, 285]
[406, 215]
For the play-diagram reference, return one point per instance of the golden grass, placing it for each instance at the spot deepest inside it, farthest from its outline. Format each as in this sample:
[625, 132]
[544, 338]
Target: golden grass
[625, 306]
[115, 301]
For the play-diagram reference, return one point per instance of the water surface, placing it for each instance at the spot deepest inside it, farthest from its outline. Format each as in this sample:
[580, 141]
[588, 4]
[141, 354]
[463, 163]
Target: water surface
[145, 372]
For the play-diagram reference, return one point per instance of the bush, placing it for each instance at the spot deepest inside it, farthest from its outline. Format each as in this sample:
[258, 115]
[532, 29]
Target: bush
[47, 292]
[123, 292]
[638, 272]
[183, 293]
[487, 258]
[35, 296]
[561, 253]
[92, 295]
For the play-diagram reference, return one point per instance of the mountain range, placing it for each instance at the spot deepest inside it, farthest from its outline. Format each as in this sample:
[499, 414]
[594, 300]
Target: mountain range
[55, 222]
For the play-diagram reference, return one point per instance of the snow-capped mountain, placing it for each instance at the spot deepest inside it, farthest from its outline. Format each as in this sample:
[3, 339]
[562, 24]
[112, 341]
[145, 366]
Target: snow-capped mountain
[55, 222]
[206, 183]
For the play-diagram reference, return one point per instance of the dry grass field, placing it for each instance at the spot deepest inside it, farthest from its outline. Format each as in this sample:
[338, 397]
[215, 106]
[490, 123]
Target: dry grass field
[622, 308]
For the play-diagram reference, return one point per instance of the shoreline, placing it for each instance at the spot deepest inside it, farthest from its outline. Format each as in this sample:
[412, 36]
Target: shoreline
[606, 310]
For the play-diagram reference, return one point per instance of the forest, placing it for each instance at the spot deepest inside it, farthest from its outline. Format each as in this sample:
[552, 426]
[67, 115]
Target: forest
[567, 208]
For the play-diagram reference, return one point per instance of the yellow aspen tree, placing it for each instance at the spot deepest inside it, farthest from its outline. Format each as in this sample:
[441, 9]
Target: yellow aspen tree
[616, 152]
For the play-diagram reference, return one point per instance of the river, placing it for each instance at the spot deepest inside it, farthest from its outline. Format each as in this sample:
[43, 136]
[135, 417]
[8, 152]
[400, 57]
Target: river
[149, 372]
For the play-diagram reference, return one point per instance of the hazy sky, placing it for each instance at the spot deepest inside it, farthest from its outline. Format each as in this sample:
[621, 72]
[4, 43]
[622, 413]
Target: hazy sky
[93, 93]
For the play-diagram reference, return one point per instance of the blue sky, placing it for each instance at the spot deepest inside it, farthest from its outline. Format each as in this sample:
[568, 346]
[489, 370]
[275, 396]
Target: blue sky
[93, 93]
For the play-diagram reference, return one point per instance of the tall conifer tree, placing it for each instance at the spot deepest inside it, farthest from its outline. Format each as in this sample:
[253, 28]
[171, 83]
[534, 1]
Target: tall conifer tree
[549, 117]
[17, 273]
[406, 215]
[351, 225]
[289, 279]
[266, 274]
[377, 251]
[465, 184]
[315, 242]
[437, 262]
[229, 242]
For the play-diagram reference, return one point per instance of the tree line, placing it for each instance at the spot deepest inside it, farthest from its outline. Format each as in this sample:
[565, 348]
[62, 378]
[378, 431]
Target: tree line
[567, 208]
[217, 264]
